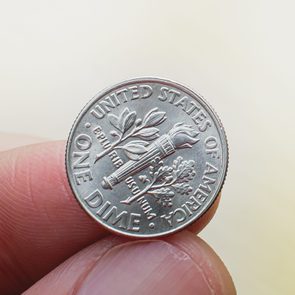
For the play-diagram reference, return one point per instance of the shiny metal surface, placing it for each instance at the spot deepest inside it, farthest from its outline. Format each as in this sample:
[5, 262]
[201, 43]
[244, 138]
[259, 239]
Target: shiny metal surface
[146, 157]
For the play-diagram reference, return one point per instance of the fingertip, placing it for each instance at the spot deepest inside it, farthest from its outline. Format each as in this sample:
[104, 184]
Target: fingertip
[205, 257]
[57, 227]
[39, 215]
[179, 264]
[10, 141]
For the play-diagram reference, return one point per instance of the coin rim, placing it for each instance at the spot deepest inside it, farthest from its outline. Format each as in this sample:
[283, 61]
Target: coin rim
[183, 88]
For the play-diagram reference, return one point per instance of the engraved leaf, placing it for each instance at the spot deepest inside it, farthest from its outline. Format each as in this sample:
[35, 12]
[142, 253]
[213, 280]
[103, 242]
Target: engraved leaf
[114, 133]
[163, 195]
[164, 173]
[122, 117]
[124, 113]
[182, 188]
[131, 156]
[128, 121]
[148, 133]
[177, 162]
[114, 120]
[134, 149]
[138, 122]
[162, 191]
[140, 142]
[155, 164]
[185, 171]
[143, 178]
[154, 118]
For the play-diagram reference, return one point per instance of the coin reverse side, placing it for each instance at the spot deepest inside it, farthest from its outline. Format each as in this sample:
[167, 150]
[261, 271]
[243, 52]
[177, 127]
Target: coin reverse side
[146, 157]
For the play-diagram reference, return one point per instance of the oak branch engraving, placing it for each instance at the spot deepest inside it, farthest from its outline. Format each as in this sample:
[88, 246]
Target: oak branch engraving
[164, 181]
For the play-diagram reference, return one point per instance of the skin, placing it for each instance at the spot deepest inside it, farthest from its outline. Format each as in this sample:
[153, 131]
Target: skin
[49, 245]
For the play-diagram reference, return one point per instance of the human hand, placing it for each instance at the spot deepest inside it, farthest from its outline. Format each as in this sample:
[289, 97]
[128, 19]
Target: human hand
[51, 246]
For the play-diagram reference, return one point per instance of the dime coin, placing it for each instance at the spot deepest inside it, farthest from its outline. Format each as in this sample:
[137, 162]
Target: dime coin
[146, 157]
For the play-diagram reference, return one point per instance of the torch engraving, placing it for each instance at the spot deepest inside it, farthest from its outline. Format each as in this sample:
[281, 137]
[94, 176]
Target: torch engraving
[179, 137]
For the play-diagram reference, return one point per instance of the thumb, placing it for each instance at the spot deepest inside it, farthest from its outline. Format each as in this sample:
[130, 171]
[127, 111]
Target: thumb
[181, 264]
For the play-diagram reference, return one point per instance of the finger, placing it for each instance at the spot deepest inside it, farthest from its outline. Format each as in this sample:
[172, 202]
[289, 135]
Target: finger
[39, 215]
[41, 223]
[10, 141]
[180, 264]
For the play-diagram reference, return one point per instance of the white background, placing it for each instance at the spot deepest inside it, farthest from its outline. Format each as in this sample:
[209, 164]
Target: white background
[55, 55]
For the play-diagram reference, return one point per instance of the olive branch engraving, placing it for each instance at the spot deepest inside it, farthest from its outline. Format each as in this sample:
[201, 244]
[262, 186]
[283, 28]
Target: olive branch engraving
[164, 181]
[127, 125]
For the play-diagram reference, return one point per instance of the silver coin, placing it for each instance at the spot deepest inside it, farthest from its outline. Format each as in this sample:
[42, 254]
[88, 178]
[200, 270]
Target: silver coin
[146, 157]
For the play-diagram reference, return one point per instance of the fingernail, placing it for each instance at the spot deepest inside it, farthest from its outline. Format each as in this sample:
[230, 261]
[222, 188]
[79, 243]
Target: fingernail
[150, 267]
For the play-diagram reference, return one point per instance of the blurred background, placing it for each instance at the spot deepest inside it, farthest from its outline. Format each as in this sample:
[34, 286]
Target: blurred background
[55, 55]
